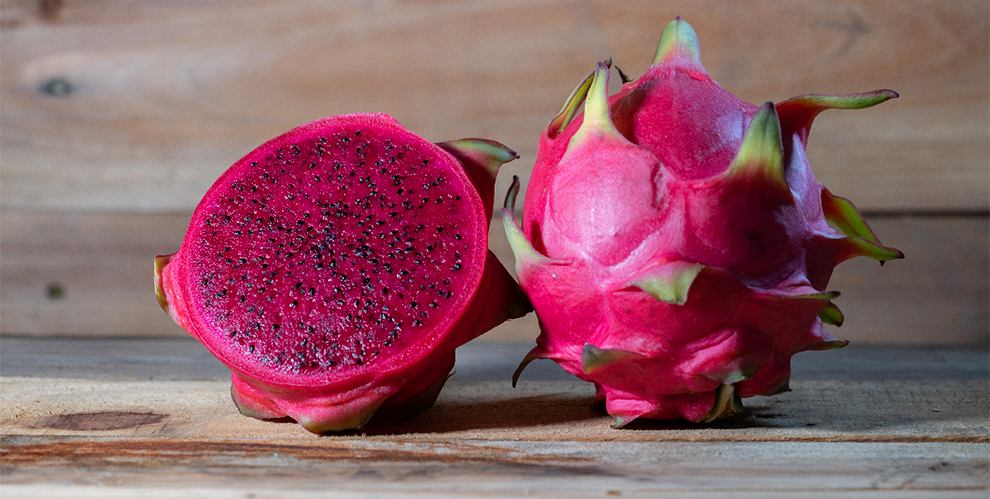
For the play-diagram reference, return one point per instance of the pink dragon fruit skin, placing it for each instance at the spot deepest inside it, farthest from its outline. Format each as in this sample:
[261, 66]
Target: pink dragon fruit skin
[335, 269]
[674, 243]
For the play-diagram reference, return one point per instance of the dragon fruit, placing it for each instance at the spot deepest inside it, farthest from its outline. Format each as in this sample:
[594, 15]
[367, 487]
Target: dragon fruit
[336, 268]
[674, 243]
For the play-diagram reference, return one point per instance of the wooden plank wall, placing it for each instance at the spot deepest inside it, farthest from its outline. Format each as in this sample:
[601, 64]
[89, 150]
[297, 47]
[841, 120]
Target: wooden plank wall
[116, 116]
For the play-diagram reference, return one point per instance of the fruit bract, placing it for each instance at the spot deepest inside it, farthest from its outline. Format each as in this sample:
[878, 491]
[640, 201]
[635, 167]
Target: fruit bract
[674, 243]
[335, 269]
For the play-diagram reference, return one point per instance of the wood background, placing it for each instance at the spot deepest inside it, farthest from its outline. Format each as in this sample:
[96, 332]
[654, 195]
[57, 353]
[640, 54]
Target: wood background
[116, 116]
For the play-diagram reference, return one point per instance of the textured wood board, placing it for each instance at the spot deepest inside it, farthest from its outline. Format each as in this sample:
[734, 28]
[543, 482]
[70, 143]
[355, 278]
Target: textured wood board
[183, 438]
[855, 430]
[140, 105]
[356, 468]
[815, 411]
[90, 273]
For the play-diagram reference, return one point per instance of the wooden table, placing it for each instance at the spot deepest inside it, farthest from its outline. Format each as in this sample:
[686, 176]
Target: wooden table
[90, 417]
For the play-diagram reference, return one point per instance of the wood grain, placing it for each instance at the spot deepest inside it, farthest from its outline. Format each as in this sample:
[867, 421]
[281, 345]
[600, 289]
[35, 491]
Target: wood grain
[504, 469]
[485, 438]
[857, 430]
[138, 106]
[815, 411]
[90, 273]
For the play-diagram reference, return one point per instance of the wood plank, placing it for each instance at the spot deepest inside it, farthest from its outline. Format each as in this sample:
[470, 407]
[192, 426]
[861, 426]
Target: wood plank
[814, 411]
[832, 436]
[365, 469]
[89, 273]
[486, 438]
[130, 105]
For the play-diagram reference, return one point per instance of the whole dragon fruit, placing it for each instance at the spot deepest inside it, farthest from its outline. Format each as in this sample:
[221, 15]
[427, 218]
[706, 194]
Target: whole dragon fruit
[675, 244]
[335, 269]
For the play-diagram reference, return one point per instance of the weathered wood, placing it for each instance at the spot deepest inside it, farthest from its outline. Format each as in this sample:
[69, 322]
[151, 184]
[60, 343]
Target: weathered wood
[90, 273]
[879, 436]
[852, 395]
[815, 411]
[140, 105]
[832, 436]
[368, 468]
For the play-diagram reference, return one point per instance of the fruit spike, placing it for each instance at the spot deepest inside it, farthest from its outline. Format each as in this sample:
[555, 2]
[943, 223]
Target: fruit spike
[335, 269]
[669, 281]
[597, 116]
[761, 154]
[674, 242]
[798, 113]
[678, 42]
[571, 106]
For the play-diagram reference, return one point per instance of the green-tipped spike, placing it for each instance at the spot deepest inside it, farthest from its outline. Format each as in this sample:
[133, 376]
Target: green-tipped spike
[678, 41]
[594, 359]
[597, 116]
[820, 102]
[160, 262]
[570, 109]
[831, 315]
[669, 282]
[833, 345]
[726, 404]
[798, 113]
[526, 256]
[857, 246]
[481, 160]
[621, 421]
[841, 212]
[488, 154]
[824, 295]
[761, 152]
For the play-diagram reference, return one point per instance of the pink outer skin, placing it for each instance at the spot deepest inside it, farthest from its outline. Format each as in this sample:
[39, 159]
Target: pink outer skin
[606, 211]
[347, 398]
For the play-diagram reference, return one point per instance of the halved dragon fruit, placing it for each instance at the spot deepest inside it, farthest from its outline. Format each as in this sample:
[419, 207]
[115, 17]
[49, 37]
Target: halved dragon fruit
[675, 244]
[335, 269]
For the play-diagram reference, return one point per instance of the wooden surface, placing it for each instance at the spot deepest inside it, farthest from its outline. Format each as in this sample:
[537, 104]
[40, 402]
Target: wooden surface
[874, 421]
[115, 117]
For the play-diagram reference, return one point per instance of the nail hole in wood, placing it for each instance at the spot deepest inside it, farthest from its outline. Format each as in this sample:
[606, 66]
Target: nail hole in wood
[55, 291]
[56, 87]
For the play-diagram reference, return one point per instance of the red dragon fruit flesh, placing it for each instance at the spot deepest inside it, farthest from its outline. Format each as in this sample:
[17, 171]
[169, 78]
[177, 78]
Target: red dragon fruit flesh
[674, 243]
[335, 269]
